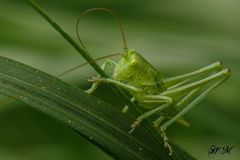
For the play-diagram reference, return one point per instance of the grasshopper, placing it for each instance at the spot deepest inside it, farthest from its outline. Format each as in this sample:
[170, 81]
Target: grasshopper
[168, 99]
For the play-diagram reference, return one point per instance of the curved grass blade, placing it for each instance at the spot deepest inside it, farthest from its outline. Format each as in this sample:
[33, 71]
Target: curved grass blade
[97, 121]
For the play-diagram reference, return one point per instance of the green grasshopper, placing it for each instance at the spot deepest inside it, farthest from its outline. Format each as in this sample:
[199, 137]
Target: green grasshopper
[169, 99]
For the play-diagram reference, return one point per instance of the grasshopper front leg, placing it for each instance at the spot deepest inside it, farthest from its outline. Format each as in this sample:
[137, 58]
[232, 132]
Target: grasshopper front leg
[128, 87]
[108, 67]
[117, 83]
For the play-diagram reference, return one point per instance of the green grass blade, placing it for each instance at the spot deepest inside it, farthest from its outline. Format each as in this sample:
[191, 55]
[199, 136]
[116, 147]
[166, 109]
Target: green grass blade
[97, 121]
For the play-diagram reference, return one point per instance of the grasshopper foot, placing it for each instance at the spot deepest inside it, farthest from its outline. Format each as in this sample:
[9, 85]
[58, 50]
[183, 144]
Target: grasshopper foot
[161, 131]
[165, 140]
[94, 85]
[133, 126]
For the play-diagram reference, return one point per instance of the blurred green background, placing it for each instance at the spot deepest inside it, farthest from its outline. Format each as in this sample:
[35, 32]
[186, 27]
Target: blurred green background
[176, 36]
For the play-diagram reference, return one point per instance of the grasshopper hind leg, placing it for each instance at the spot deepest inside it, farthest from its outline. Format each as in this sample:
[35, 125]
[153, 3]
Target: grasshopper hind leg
[193, 102]
[197, 91]
[108, 67]
[187, 103]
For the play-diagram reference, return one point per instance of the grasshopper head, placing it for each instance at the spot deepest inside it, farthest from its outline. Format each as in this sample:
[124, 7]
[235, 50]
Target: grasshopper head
[128, 65]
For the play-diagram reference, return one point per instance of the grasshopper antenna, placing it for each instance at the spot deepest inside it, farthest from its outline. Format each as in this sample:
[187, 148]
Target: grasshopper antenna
[108, 11]
[97, 59]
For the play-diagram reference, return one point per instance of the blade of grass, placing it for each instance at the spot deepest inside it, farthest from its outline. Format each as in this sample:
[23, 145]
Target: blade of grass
[97, 121]
[89, 59]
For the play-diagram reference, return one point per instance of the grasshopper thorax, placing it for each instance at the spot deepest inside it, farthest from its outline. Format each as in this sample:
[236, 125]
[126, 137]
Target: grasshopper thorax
[133, 69]
[128, 65]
